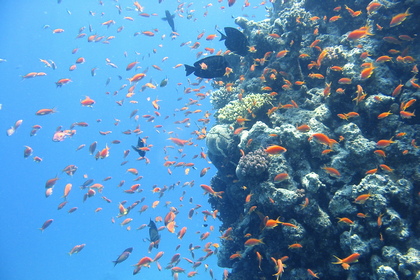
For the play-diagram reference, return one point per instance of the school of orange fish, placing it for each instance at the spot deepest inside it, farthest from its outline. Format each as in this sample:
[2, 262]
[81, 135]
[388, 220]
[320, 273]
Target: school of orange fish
[178, 151]
[178, 154]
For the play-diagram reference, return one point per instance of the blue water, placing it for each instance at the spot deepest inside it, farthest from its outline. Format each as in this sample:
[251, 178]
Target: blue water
[27, 37]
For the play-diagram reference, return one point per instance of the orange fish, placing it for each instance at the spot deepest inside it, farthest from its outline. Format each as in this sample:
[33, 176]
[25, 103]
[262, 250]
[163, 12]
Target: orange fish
[275, 149]
[87, 101]
[397, 90]
[58, 30]
[252, 242]
[384, 115]
[346, 261]
[148, 33]
[137, 77]
[345, 220]
[44, 112]
[344, 81]
[323, 139]
[62, 82]
[313, 274]
[373, 7]
[361, 199]
[406, 115]
[380, 153]
[103, 153]
[211, 37]
[366, 73]
[332, 171]
[269, 224]
[384, 143]
[398, 19]
[281, 177]
[179, 142]
[386, 168]
[210, 190]
[359, 33]
[294, 246]
[131, 65]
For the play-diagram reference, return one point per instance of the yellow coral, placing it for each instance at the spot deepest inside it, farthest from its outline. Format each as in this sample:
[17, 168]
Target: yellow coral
[242, 108]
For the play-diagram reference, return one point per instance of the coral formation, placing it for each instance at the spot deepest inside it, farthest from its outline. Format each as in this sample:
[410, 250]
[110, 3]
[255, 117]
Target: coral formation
[241, 108]
[347, 182]
[252, 165]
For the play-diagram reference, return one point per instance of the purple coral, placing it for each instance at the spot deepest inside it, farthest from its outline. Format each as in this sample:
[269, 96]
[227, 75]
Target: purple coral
[252, 165]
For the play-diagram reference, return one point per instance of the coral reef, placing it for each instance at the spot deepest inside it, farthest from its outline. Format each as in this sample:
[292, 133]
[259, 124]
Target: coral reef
[241, 108]
[341, 199]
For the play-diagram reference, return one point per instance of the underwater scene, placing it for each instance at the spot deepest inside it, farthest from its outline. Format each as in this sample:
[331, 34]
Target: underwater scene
[225, 139]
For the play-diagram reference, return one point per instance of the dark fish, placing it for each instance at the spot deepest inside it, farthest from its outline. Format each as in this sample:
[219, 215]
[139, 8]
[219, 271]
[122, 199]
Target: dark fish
[235, 41]
[86, 183]
[164, 82]
[140, 144]
[46, 224]
[208, 67]
[154, 234]
[170, 19]
[124, 255]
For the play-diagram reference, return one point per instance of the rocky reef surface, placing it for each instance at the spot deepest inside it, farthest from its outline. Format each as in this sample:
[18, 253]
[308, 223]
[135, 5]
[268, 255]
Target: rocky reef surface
[317, 144]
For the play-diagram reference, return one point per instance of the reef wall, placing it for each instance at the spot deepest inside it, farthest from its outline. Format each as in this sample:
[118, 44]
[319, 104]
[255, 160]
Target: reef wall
[334, 85]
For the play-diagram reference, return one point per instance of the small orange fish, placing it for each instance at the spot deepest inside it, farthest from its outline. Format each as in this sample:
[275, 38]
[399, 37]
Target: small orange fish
[345, 263]
[406, 115]
[384, 143]
[398, 19]
[313, 274]
[252, 242]
[275, 149]
[359, 33]
[270, 223]
[380, 153]
[397, 90]
[361, 199]
[372, 171]
[281, 177]
[345, 81]
[373, 7]
[87, 101]
[384, 115]
[332, 171]
[323, 139]
[303, 128]
[386, 168]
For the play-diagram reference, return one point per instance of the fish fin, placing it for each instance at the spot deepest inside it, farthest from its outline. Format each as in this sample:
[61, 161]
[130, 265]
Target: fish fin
[189, 69]
[140, 142]
[135, 148]
[223, 36]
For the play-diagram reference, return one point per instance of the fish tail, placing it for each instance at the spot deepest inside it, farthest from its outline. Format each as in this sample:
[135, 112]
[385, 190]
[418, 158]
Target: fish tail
[189, 69]
[223, 36]
[339, 260]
